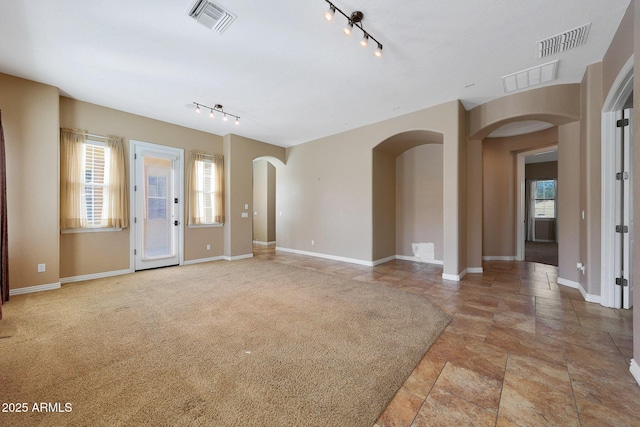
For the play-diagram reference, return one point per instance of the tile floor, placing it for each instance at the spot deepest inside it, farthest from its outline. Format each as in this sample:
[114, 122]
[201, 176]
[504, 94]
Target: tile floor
[520, 350]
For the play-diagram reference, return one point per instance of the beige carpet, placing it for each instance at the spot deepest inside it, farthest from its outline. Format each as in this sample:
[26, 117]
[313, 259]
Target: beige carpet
[238, 343]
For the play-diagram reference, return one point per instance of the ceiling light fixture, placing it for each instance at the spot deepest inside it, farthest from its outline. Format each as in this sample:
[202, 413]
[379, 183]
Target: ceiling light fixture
[219, 109]
[354, 19]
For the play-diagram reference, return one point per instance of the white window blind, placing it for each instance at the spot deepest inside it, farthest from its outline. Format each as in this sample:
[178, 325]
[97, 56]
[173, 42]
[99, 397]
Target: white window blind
[96, 183]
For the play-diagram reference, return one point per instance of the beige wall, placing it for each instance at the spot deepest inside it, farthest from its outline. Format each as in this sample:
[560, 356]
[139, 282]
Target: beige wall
[590, 178]
[419, 199]
[384, 204]
[83, 253]
[499, 188]
[31, 130]
[264, 195]
[569, 201]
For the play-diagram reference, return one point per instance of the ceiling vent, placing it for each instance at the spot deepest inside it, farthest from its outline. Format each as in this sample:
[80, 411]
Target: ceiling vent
[563, 41]
[530, 77]
[211, 15]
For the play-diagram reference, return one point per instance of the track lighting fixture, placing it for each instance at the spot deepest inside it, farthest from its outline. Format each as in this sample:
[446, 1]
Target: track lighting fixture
[354, 19]
[217, 108]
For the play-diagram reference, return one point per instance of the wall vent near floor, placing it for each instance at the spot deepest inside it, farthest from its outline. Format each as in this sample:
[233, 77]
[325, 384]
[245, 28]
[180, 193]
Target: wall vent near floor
[211, 15]
[563, 41]
[530, 77]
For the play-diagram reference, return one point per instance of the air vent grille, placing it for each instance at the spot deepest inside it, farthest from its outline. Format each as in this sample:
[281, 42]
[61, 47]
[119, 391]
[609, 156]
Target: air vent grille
[563, 41]
[212, 15]
[530, 77]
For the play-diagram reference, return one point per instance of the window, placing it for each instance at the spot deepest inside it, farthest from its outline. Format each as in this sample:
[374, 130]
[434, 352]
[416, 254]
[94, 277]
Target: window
[92, 182]
[545, 199]
[157, 197]
[205, 193]
[96, 180]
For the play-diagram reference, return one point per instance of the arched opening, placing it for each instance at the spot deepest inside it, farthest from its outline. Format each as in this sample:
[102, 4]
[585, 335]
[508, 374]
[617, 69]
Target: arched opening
[558, 106]
[408, 197]
[512, 214]
[264, 201]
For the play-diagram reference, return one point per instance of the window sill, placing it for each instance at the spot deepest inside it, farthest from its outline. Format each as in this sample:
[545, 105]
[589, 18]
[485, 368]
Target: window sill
[216, 225]
[89, 230]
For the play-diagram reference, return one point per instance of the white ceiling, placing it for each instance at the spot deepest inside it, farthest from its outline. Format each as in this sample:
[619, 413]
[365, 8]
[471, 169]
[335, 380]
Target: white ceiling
[290, 75]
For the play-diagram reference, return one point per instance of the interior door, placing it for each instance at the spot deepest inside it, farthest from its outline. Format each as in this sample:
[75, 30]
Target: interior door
[158, 206]
[623, 204]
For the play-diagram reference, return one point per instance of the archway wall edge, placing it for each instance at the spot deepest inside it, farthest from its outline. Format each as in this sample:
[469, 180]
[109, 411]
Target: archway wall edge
[558, 105]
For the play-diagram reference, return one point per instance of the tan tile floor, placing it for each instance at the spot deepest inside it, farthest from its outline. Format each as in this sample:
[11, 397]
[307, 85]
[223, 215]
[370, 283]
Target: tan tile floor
[520, 350]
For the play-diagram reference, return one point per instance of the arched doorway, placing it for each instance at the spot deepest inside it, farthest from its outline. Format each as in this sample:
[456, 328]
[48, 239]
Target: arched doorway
[558, 105]
[263, 214]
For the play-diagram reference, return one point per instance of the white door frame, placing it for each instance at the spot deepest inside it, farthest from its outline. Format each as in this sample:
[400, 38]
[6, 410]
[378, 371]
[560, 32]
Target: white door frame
[619, 93]
[520, 192]
[133, 147]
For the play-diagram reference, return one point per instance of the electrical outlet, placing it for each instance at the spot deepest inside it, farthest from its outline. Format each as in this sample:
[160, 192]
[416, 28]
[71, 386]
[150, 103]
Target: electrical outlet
[208, 247]
[313, 242]
[42, 268]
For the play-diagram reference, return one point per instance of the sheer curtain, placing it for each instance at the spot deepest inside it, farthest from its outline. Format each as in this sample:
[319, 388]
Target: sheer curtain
[117, 214]
[73, 210]
[205, 189]
[4, 239]
[72, 173]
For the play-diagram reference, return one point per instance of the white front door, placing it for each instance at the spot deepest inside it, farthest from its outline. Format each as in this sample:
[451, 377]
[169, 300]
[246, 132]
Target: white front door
[157, 199]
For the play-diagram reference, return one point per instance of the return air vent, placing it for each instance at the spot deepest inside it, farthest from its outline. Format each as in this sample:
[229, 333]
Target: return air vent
[212, 15]
[563, 41]
[530, 77]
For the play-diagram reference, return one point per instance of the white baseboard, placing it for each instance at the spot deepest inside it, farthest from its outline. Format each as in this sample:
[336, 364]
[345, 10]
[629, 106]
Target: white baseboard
[569, 283]
[32, 289]
[258, 242]
[455, 277]
[475, 270]
[383, 260]
[498, 258]
[201, 260]
[237, 257]
[325, 256]
[575, 285]
[84, 277]
[416, 259]
[635, 370]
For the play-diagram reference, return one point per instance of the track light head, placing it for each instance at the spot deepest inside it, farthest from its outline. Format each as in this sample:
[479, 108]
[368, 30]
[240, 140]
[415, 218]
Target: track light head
[328, 15]
[348, 29]
[197, 109]
[364, 42]
[378, 52]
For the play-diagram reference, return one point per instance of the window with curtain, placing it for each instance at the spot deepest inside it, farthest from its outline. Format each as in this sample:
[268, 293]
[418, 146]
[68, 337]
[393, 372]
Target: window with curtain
[93, 192]
[545, 198]
[206, 185]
